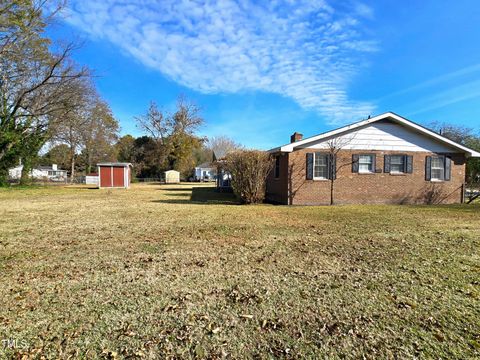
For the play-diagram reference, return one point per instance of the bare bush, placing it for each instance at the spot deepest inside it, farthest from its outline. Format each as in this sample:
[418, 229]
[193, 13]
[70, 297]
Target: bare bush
[249, 170]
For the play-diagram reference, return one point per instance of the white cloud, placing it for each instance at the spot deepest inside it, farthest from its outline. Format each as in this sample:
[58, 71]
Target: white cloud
[305, 50]
[466, 91]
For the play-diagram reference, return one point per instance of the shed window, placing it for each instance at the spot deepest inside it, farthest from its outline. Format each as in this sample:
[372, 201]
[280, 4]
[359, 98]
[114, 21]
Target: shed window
[397, 163]
[438, 168]
[365, 164]
[320, 169]
[277, 167]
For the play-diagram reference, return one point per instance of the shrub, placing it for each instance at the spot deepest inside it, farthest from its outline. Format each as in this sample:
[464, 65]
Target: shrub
[249, 170]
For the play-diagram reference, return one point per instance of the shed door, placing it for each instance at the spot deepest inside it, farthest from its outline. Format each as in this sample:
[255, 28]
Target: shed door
[105, 176]
[118, 177]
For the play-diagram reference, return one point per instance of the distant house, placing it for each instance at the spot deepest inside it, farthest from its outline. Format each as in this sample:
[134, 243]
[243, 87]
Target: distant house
[384, 159]
[205, 172]
[51, 173]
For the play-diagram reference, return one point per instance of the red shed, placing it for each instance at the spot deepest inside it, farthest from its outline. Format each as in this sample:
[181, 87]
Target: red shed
[114, 175]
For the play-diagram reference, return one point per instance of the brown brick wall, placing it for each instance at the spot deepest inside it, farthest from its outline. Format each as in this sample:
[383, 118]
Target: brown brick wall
[277, 189]
[367, 188]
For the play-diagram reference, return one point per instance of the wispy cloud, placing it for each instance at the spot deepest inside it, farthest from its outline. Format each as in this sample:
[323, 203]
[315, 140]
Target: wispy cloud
[453, 95]
[306, 50]
[465, 74]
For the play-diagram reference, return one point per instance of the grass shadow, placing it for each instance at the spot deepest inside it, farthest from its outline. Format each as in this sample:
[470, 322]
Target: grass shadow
[203, 196]
[186, 188]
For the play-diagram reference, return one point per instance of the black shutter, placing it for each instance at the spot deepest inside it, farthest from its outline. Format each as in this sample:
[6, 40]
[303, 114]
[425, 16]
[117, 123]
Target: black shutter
[355, 163]
[374, 163]
[310, 166]
[386, 164]
[448, 168]
[408, 164]
[428, 168]
[332, 167]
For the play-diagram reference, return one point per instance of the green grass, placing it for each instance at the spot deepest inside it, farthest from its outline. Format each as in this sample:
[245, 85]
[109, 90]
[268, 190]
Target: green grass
[152, 272]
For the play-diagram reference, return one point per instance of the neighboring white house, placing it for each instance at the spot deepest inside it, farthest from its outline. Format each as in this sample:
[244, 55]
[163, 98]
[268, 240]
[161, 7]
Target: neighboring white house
[52, 173]
[205, 172]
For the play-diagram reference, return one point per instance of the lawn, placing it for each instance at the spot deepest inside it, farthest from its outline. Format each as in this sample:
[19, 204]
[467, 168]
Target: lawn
[156, 272]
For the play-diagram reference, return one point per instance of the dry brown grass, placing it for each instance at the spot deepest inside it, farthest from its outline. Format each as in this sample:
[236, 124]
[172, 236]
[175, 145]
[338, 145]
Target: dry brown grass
[149, 273]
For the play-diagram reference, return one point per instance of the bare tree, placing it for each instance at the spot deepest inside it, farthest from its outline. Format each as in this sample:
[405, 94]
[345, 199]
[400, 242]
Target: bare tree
[156, 123]
[186, 119]
[223, 145]
[334, 146]
[100, 134]
[174, 133]
[69, 130]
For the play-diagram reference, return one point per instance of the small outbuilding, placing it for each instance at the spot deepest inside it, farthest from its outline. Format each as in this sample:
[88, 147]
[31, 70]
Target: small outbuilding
[172, 177]
[91, 179]
[114, 175]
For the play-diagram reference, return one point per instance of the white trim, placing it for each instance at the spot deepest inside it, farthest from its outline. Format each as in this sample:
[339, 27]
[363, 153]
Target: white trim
[388, 115]
[99, 177]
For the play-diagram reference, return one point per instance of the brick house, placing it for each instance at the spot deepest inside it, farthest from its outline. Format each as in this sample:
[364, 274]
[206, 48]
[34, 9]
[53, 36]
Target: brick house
[384, 159]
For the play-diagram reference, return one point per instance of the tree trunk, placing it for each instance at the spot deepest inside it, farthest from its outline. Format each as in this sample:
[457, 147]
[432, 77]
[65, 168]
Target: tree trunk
[25, 178]
[72, 167]
[88, 168]
[331, 192]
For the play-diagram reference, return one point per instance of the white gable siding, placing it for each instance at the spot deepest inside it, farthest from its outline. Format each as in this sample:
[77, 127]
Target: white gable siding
[386, 136]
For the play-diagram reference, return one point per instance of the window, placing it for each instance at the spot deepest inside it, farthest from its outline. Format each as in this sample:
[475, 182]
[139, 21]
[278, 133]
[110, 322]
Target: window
[397, 164]
[320, 168]
[365, 164]
[277, 167]
[438, 168]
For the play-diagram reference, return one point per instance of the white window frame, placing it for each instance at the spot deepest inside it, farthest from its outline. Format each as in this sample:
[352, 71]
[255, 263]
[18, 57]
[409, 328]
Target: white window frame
[403, 164]
[442, 168]
[372, 170]
[324, 155]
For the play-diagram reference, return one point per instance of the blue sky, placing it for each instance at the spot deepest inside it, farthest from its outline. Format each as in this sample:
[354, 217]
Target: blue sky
[264, 69]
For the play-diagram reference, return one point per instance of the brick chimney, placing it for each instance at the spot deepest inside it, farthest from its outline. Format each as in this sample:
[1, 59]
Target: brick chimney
[296, 137]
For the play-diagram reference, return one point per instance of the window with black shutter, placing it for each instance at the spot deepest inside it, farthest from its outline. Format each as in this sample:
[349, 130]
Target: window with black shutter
[398, 164]
[438, 168]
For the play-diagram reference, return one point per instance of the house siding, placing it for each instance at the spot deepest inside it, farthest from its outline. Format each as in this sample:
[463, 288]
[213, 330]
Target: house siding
[377, 188]
[385, 135]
